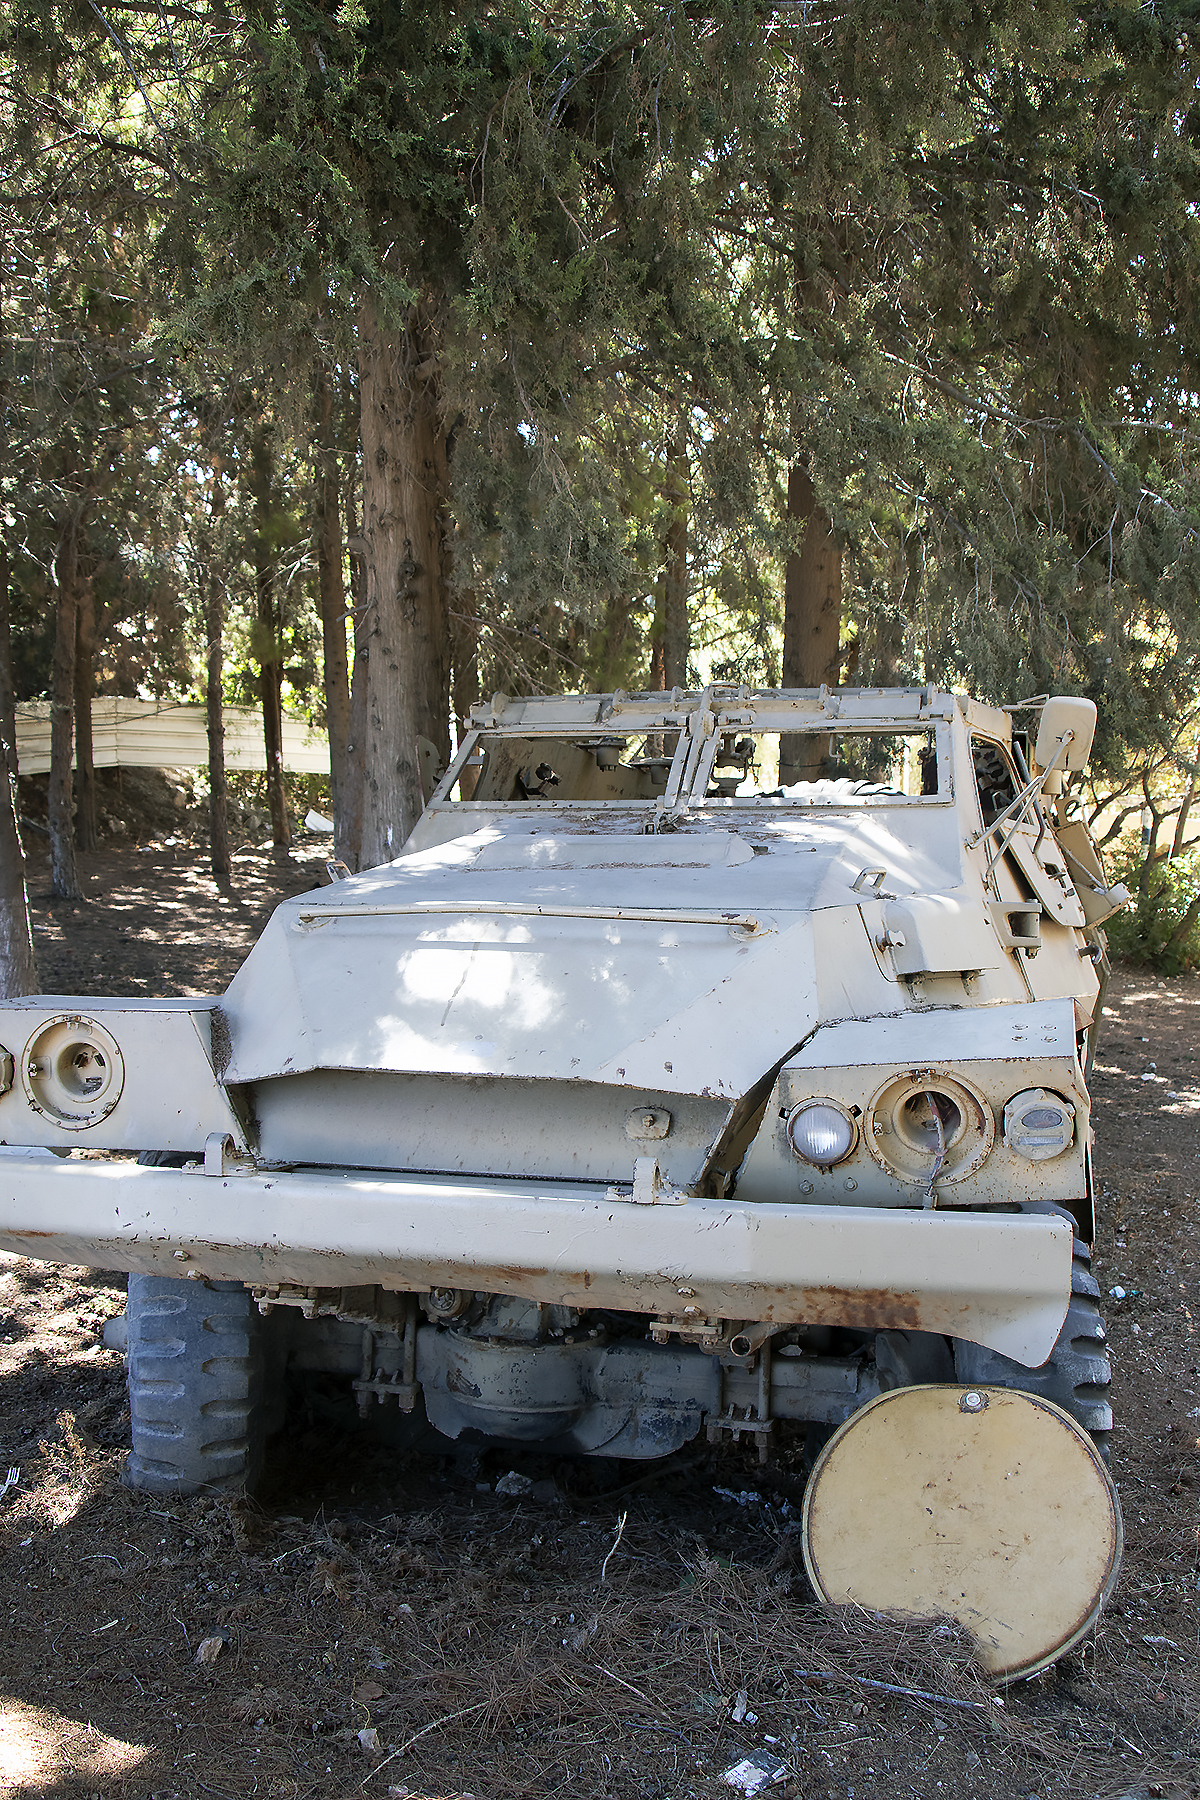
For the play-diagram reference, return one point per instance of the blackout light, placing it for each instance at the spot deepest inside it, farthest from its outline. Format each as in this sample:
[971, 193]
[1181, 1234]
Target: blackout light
[1039, 1124]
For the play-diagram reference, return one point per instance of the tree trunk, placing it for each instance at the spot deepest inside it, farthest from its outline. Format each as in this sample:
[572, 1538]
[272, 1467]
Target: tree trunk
[464, 650]
[18, 969]
[676, 641]
[812, 614]
[405, 478]
[464, 644]
[347, 840]
[85, 767]
[610, 647]
[269, 633]
[8, 701]
[331, 571]
[812, 604]
[214, 702]
[64, 881]
[1179, 841]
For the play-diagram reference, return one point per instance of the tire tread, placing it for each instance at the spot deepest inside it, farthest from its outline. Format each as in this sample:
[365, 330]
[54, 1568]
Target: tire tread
[1077, 1375]
[196, 1386]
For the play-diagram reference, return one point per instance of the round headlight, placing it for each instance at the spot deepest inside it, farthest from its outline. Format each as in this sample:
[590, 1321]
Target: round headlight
[820, 1132]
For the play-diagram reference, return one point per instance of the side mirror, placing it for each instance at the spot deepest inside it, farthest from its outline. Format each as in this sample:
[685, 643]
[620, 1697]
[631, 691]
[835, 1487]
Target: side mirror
[1063, 714]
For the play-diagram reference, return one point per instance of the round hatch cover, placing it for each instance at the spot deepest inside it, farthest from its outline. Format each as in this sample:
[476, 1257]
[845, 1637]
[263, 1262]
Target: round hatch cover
[987, 1505]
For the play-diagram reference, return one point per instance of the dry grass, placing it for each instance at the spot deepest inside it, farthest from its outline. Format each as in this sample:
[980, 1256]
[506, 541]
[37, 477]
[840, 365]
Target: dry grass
[473, 1632]
[475, 1635]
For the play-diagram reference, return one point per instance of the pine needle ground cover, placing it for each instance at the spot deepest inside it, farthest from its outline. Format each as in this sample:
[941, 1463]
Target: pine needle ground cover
[389, 1624]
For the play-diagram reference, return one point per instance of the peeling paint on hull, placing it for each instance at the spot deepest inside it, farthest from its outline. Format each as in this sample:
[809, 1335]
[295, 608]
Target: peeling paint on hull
[995, 1279]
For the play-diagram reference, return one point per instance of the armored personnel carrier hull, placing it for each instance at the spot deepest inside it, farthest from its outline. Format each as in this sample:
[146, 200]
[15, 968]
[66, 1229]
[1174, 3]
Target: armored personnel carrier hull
[705, 1061]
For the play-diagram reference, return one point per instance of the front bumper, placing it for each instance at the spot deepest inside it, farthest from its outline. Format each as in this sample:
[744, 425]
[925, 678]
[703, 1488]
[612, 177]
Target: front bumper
[1002, 1280]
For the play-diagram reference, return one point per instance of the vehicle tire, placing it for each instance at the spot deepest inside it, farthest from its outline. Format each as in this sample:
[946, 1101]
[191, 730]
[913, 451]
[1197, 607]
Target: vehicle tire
[1077, 1374]
[196, 1370]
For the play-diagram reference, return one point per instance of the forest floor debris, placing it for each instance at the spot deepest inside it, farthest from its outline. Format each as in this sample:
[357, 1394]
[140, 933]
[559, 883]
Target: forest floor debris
[419, 1625]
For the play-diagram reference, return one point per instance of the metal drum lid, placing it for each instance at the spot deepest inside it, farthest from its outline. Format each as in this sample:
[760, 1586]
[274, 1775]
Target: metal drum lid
[985, 1505]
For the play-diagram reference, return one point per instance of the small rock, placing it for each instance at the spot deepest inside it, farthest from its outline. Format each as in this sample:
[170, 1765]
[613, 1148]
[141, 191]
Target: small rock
[516, 1486]
[209, 1648]
[582, 1637]
[368, 1740]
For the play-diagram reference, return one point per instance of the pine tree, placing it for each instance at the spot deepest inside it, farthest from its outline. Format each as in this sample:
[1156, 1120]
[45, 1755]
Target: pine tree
[972, 237]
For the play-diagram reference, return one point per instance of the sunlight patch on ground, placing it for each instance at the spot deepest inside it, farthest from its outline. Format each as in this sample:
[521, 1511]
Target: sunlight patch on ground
[38, 1745]
[47, 1324]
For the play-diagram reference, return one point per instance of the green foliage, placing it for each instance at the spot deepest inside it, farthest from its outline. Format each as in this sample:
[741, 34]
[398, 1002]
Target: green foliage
[248, 789]
[1161, 928]
[945, 255]
[974, 228]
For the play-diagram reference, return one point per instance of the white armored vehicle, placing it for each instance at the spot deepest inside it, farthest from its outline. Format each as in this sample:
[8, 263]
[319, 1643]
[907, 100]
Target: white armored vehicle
[706, 1060]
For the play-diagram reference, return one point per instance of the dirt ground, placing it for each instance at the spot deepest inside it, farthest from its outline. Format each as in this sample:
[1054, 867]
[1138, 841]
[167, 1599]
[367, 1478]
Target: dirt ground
[388, 1624]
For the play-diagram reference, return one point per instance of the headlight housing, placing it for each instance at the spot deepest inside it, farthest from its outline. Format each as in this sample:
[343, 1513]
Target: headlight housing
[821, 1132]
[72, 1071]
[903, 1119]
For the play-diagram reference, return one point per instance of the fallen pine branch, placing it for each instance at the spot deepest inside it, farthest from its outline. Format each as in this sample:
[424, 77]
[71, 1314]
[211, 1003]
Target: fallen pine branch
[890, 1687]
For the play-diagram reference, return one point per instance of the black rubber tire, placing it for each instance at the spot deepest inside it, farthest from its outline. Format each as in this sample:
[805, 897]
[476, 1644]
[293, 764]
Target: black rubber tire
[1077, 1375]
[196, 1370]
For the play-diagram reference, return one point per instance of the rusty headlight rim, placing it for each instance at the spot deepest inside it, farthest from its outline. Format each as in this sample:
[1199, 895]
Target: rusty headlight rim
[967, 1146]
